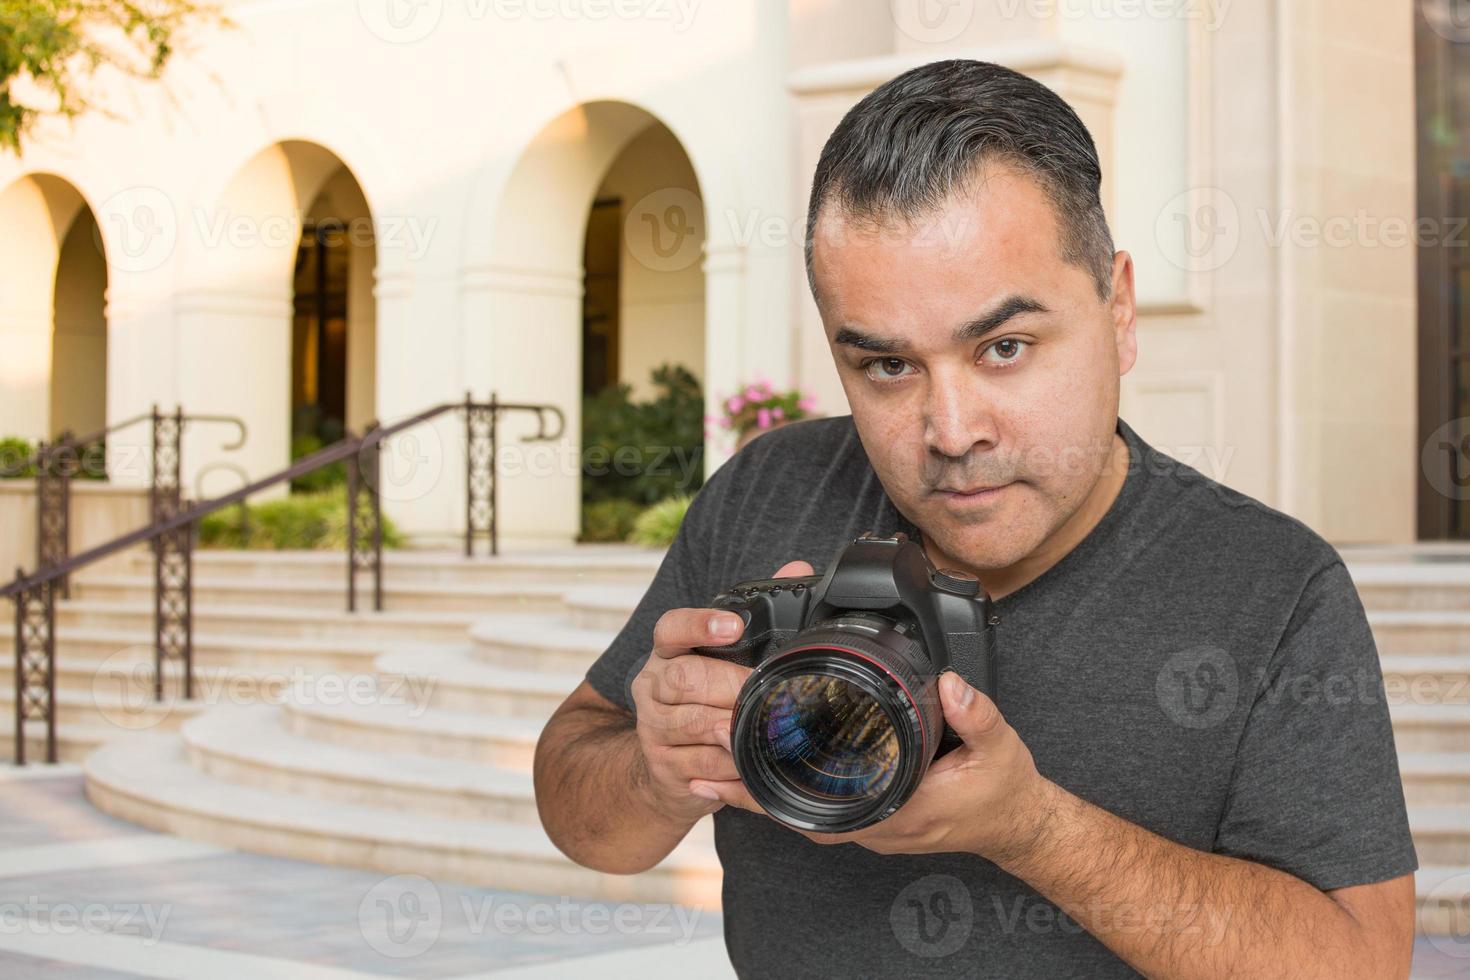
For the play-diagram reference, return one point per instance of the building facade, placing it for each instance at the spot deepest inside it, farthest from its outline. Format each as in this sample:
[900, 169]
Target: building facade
[375, 207]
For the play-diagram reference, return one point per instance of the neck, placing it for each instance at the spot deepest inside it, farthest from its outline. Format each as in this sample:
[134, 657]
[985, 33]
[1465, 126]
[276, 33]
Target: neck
[1000, 582]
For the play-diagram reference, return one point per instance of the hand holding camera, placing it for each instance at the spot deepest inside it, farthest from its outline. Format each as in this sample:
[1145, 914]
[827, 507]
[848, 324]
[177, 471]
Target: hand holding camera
[684, 703]
[839, 715]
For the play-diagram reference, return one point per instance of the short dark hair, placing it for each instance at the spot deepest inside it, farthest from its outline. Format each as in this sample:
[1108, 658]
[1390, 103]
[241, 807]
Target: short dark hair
[917, 138]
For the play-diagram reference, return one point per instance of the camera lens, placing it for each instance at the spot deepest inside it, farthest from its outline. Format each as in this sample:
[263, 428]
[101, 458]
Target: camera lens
[826, 736]
[834, 732]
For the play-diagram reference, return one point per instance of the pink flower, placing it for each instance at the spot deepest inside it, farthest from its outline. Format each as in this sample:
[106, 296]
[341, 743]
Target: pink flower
[763, 418]
[753, 394]
[806, 404]
[735, 403]
[777, 413]
[725, 422]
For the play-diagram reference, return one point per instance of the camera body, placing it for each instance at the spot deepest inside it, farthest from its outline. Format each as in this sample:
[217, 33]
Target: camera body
[883, 623]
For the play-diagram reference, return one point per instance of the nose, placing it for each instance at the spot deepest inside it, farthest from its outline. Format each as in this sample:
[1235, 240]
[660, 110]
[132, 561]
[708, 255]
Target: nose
[956, 417]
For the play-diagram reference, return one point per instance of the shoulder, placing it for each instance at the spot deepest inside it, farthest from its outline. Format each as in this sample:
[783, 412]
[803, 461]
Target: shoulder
[1231, 532]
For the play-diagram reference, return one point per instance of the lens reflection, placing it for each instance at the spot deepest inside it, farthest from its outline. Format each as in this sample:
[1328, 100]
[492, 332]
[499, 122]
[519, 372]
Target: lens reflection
[827, 737]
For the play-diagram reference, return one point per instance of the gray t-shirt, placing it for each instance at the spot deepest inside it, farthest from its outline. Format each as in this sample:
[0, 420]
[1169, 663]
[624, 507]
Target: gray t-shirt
[1200, 665]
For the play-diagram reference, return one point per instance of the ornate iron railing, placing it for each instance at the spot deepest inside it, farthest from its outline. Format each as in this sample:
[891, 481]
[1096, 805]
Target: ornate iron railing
[171, 533]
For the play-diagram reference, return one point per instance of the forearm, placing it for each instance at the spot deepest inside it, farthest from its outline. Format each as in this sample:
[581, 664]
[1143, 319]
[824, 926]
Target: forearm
[594, 795]
[1174, 912]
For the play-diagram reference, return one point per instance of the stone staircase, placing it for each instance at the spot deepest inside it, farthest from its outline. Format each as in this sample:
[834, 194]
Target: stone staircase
[402, 740]
[399, 741]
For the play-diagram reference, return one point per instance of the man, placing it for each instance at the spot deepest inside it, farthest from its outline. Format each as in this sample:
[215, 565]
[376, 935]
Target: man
[1153, 789]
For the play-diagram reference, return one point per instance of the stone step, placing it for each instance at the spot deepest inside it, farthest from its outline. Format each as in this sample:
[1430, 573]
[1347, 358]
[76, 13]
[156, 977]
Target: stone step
[130, 673]
[454, 680]
[1430, 727]
[103, 710]
[410, 730]
[583, 564]
[152, 783]
[89, 643]
[74, 742]
[1421, 632]
[489, 597]
[249, 746]
[1442, 893]
[1441, 833]
[1390, 585]
[1436, 777]
[603, 608]
[528, 640]
[263, 621]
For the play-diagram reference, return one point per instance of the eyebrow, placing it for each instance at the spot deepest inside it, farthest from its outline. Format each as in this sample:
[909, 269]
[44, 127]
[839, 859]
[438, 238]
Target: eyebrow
[973, 329]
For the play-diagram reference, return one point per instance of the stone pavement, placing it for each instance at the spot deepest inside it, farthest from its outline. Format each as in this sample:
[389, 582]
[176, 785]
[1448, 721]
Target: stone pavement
[86, 895]
[83, 895]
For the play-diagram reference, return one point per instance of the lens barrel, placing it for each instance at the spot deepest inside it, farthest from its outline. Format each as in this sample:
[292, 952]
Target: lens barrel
[834, 732]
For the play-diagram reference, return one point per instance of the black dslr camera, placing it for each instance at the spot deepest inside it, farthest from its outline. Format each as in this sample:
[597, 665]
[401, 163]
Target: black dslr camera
[841, 717]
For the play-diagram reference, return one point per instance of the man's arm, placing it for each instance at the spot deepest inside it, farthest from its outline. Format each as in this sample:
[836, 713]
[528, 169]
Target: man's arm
[1172, 911]
[593, 791]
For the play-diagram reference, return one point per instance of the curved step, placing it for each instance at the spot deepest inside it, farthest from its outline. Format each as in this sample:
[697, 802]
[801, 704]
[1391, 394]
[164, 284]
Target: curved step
[1430, 727]
[1436, 777]
[456, 681]
[407, 729]
[249, 746]
[149, 781]
[529, 641]
[585, 563]
[603, 607]
[267, 621]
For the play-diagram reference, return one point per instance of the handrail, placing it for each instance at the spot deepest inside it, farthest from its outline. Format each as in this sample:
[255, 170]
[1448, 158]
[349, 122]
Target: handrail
[171, 533]
[66, 439]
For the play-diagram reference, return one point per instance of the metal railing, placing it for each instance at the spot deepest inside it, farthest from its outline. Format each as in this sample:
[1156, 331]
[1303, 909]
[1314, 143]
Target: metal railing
[57, 463]
[171, 536]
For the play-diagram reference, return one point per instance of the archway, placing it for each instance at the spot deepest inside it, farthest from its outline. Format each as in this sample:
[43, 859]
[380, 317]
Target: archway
[277, 320]
[53, 327]
[594, 276]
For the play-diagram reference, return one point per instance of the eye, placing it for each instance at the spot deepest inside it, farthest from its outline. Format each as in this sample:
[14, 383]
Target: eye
[1009, 348]
[884, 368]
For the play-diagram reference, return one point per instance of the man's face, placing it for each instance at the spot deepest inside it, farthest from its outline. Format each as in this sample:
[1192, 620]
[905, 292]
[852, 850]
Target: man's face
[974, 356]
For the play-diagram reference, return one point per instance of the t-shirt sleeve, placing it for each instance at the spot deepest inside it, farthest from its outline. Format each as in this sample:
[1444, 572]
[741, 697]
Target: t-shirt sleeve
[1316, 790]
[682, 581]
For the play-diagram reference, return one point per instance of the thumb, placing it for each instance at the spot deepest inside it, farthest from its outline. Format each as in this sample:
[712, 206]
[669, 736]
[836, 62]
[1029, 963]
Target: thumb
[973, 716]
[794, 568]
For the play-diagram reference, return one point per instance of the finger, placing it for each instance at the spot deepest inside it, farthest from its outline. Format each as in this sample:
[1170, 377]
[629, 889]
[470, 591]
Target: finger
[972, 715]
[680, 629]
[686, 724]
[703, 762]
[731, 792]
[792, 569]
[694, 679]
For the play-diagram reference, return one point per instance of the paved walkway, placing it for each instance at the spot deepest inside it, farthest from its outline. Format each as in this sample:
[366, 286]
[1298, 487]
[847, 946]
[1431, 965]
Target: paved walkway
[83, 895]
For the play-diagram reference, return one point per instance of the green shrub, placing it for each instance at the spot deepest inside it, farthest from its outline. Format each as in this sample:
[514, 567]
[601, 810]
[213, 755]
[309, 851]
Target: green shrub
[644, 451]
[608, 520]
[306, 520]
[657, 525]
[334, 475]
[15, 454]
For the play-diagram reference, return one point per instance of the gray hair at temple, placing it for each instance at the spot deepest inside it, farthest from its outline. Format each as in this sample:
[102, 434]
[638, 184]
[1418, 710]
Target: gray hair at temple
[918, 138]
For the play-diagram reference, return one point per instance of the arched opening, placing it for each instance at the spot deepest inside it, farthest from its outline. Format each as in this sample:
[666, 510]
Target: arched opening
[53, 326]
[595, 278]
[277, 316]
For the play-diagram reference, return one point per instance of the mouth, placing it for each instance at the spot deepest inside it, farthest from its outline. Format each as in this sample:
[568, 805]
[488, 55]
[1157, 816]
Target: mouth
[978, 493]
